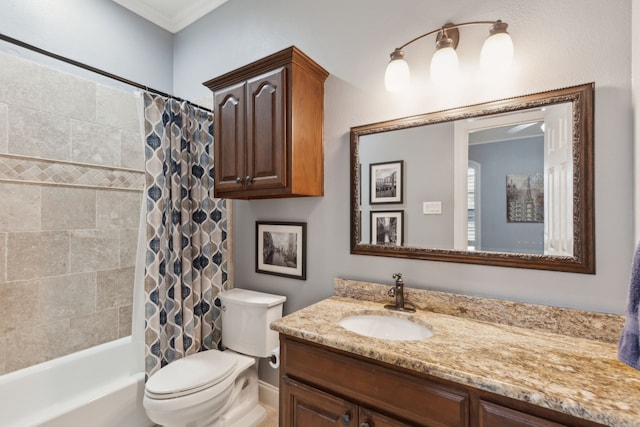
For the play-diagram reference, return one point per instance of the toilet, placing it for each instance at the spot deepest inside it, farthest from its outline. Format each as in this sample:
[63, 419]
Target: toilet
[219, 388]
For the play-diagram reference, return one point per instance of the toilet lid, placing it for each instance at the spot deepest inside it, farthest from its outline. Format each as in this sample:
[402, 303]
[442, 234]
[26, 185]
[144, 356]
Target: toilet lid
[191, 374]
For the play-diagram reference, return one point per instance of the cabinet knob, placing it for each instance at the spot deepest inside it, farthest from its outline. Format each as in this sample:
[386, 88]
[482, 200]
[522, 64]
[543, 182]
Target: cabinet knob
[346, 419]
[238, 180]
[248, 179]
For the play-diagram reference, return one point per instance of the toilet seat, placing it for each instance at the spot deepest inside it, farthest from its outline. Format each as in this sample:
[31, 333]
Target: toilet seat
[191, 374]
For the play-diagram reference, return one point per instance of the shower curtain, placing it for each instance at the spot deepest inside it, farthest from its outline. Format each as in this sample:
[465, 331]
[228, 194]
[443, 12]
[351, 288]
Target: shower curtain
[186, 233]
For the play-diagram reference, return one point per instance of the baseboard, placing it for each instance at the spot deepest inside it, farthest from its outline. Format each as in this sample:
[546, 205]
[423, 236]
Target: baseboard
[268, 394]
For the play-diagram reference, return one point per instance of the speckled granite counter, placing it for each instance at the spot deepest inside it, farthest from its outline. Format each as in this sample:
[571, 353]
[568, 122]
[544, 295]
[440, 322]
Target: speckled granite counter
[578, 376]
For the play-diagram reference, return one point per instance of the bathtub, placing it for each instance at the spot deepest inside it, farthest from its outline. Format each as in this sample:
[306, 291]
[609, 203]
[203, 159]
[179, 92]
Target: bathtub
[97, 387]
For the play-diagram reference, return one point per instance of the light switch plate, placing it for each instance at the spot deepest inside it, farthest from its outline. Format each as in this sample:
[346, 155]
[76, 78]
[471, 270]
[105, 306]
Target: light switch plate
[432, 208]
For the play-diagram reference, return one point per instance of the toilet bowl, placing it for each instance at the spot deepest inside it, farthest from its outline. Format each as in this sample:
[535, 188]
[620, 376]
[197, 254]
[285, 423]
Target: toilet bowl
[219, 388]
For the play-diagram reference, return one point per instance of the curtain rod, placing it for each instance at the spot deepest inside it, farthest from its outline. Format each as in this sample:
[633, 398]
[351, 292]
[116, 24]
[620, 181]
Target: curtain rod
[92, 69]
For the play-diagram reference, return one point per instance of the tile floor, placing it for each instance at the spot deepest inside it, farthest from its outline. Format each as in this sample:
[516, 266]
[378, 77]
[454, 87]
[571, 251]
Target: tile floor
[272, 418]
[270, 421]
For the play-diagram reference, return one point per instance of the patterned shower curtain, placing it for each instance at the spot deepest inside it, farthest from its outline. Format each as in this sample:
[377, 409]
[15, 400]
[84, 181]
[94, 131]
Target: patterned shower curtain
[186, 238]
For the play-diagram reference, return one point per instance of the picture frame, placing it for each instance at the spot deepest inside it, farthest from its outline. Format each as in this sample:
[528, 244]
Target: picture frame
[387, 227]
[525, 198]
[281, 249]
[386, 182]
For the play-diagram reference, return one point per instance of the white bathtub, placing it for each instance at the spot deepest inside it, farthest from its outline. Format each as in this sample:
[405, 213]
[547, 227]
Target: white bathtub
[97, 387]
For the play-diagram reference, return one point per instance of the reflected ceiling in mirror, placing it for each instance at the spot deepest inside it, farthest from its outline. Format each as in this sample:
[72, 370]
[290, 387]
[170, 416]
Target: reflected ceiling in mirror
[507, 183]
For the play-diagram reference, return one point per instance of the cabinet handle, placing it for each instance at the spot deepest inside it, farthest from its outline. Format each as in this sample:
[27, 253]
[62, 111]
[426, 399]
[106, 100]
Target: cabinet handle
[248, 179]
[346, 419]
[238, 180]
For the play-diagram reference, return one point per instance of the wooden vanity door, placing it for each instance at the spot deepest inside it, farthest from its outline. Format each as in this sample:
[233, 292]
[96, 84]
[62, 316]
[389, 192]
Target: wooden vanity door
[303, 406]
[369, 418]
[492, 415]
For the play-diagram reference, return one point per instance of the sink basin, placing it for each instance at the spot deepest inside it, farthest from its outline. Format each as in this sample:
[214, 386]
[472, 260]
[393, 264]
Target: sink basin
[386, 327]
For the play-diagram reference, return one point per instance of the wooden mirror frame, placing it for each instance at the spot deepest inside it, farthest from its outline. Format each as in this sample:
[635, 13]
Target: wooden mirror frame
[583, 259]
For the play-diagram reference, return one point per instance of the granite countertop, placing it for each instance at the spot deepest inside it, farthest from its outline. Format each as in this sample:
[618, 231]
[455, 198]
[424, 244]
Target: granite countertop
[578, 376]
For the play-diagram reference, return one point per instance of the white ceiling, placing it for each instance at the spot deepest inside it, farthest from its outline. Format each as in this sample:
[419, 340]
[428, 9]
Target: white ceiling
[171, 15]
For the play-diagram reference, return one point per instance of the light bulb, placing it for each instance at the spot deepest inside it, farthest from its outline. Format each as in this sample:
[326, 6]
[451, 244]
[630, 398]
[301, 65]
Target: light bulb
[497, 51]
[397, 76]
[444, 65]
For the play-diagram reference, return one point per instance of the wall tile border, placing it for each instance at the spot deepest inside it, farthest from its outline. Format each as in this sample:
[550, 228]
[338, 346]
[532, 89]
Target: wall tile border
[42, 171]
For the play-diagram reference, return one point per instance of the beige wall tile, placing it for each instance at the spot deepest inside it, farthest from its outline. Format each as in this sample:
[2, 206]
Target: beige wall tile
[68, 208]
[21, 81]
[93, 329]
[4, 128]
[20, 305]
[24, 348]
[29, 346]
[39, 134]
[117, 108]
[128, 247]
[3, 257]
[68, 95]
[92, 250]
[20, 207]
[132, 150]
[125, 315]
[37, 254]
[69, 296]
[119, 209]
[95, 144]
[114, 288]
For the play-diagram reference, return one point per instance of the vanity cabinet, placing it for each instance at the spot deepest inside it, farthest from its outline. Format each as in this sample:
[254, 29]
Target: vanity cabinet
[321, 386]
[492, 415]
[311, 407]
[268, 128]
[313, 376]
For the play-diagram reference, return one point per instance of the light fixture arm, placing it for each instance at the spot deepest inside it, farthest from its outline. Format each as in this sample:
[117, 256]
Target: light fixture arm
[448, 27]
[497, 54]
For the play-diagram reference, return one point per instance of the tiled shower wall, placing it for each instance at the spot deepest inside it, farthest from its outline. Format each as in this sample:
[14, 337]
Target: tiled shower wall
[71, 180]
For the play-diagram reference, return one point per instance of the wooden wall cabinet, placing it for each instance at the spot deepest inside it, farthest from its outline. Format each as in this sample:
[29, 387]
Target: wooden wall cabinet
[321, 387]
[268, 128]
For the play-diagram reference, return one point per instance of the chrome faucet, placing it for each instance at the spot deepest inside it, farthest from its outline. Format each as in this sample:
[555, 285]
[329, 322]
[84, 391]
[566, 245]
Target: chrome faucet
[398, 292]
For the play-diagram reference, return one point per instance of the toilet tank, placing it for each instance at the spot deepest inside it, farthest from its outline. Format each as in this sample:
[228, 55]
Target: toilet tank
[246, 316]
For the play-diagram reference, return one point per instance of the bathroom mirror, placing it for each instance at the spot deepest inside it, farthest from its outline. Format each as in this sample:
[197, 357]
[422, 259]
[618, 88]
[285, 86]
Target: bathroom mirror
[506, 183]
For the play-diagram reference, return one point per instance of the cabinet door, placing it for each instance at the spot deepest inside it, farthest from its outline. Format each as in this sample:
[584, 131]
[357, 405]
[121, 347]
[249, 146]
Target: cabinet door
[304, 406]
[492, 415]
[229, 139]
[266, 137]
[369, 418]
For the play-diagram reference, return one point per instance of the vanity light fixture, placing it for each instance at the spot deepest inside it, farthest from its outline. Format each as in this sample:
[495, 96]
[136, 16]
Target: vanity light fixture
[496, 54]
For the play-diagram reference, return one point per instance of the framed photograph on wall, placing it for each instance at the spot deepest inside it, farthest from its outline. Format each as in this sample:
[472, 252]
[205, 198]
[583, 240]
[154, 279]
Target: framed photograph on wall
[385, 182]
[281, 249]
[387, 228]
[525, 197]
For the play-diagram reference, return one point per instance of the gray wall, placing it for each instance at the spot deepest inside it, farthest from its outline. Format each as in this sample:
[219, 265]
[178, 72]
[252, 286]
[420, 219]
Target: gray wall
[427, 152]
[352, 40]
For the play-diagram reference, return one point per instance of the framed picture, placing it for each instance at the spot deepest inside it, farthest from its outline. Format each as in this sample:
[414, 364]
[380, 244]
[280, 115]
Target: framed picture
[387, 228]
[525, 197]
[281, 249]
[385, 182]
